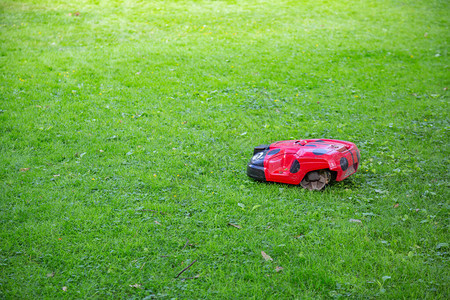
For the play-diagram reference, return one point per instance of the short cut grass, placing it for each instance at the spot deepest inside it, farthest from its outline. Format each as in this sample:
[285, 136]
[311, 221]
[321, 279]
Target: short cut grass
[126, 127]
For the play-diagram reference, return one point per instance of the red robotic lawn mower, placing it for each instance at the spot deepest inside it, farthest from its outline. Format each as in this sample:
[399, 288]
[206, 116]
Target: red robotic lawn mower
[312, 163]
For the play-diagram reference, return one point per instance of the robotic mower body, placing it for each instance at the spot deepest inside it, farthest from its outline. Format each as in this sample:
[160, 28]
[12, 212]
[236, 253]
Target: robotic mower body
[312, 163]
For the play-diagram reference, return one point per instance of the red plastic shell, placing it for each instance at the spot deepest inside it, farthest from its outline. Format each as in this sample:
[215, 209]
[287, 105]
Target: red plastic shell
[340, 157]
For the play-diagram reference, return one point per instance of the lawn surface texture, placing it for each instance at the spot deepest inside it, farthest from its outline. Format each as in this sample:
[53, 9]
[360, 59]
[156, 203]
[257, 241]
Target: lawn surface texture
[126, 127]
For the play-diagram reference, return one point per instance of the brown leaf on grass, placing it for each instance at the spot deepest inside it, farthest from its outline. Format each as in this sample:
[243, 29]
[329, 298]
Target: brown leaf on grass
[266, 257]
[278, 269]
[396, 205]
[235, 225]
[157, 223]
[24, 169]
[76, 14]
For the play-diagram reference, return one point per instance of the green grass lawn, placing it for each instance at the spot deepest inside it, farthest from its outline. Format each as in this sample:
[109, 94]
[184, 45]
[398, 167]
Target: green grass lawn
[126, 127]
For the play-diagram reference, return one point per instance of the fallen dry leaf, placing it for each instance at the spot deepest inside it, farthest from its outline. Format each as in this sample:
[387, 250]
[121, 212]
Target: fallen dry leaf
[235, 225]
[396, 205]
[156, 222]
[24, 169]
[266, 257]
[278, 269]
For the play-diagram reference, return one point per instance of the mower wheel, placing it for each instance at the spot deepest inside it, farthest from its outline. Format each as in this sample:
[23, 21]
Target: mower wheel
[316, 180]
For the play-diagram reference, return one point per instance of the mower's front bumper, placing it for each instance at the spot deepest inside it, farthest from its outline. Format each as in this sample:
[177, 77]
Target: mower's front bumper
[256, 172]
